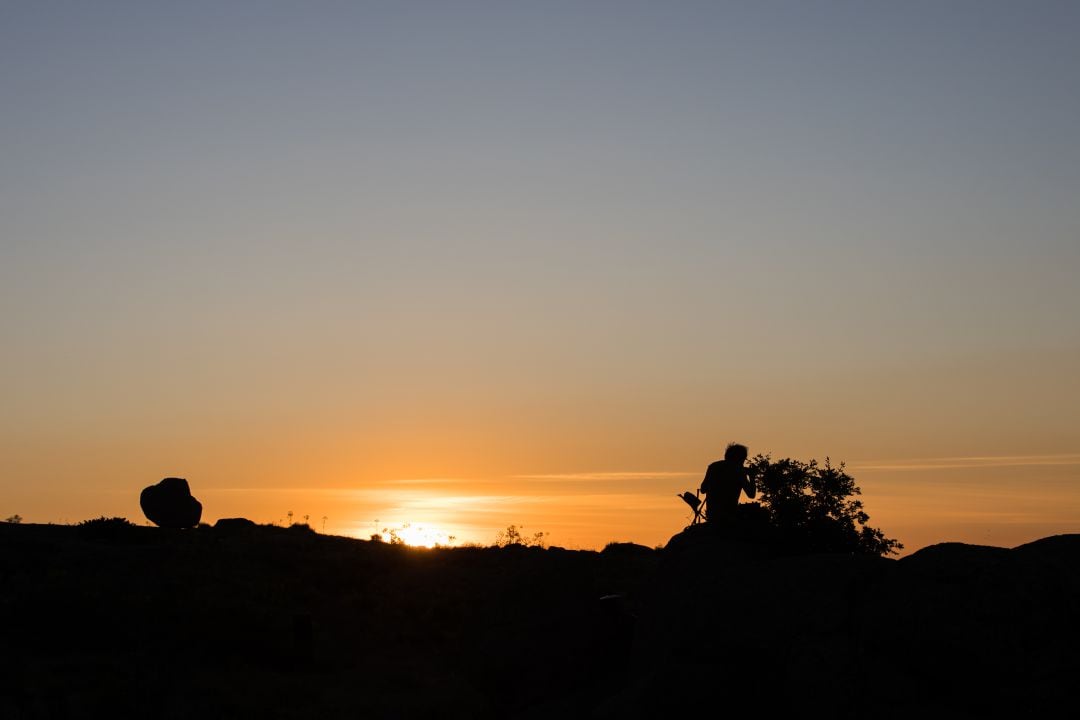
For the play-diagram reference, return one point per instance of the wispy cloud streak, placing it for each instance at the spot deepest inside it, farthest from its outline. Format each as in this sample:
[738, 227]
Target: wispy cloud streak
[432, 481]
[607, 476]
[961, 463]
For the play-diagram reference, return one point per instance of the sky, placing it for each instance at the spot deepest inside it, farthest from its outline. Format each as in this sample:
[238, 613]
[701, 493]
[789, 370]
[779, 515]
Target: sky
[462, 265]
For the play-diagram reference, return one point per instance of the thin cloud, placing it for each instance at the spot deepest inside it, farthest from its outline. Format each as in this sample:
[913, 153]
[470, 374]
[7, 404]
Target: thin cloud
[279, 490]
[607, 476]
[429, 481]
[483, 503]
[960, 463]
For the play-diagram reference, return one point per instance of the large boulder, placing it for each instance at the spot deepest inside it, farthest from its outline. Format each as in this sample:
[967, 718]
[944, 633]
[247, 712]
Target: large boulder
[169, 504]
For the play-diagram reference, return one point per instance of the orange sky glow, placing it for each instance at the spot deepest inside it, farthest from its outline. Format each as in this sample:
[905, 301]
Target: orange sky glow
[462, 266]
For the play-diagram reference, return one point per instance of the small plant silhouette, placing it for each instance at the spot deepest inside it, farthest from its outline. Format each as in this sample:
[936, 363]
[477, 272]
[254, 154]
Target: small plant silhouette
[394, 534]
[512, 535]
[14, 519]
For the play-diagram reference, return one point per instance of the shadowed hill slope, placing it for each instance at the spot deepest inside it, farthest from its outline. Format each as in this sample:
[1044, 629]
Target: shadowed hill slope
[286, 623]
[956, 629]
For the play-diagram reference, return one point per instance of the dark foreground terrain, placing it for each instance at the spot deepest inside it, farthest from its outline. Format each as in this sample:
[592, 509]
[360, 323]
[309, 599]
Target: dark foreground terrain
[273, 622]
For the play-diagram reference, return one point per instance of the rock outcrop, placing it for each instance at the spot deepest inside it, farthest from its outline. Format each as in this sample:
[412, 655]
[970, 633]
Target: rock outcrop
[237, 524]
[169, 504]
[956, 630]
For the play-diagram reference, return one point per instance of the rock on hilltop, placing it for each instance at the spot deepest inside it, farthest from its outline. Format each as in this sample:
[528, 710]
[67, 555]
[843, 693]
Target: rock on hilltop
[169, 504]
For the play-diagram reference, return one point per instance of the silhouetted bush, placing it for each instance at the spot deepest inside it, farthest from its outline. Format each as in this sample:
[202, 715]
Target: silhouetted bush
[810, 508]
[104, 528]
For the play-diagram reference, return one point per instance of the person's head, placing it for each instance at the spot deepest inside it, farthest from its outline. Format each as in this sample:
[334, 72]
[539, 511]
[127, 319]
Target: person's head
[736, 453]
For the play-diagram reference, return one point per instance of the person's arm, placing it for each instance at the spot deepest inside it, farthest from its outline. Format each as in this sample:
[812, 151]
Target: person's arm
[749, 486]
[705, 483]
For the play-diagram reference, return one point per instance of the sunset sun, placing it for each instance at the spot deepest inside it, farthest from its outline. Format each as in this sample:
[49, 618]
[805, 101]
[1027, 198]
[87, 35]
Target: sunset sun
[426, 536]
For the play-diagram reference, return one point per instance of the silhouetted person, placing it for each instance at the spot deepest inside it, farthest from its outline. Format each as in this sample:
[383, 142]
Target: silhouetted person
[723, 482]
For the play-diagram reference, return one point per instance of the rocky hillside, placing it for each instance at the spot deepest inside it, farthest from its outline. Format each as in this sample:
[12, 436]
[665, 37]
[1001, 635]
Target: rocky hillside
[243, 621]
[953, 630]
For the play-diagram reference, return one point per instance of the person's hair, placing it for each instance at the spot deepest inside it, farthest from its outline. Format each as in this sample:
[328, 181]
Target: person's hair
[735, 451]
